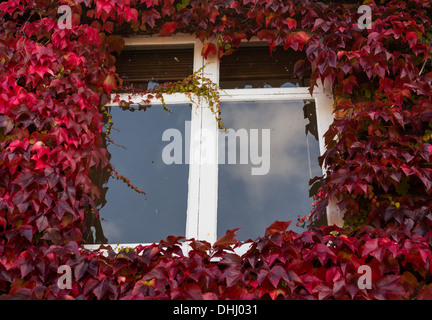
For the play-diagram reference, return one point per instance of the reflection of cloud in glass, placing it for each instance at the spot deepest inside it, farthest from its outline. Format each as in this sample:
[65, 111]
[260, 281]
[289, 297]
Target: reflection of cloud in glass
[288, 148]
[282, 194]
[111, 230]
[130, 217]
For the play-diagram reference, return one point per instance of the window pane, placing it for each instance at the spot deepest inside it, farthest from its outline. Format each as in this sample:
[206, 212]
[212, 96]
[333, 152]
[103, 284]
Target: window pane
[267, 177]
[144, 68]
[129, 217]
[255, 67]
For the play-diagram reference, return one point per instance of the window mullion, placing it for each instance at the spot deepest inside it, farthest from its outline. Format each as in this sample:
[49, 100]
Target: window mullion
[194, 158]
[204, 216]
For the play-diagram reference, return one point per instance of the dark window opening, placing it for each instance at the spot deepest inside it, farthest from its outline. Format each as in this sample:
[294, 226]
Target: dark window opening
[146, 68]
[255, 67]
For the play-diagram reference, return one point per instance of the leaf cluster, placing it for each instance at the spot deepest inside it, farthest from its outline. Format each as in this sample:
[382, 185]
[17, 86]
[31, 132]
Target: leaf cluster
[54, 83]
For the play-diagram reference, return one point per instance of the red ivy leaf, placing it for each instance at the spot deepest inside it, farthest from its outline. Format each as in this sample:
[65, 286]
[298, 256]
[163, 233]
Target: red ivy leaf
[40, 70]
[168, 28]
[42, 223]
[348, 84]
[73, 247]
[296, 40]
[277, 227]
[292, 23]
[214, 14]
[210, 296]
[193, 291]
[150, 3]
[115, 43]
[209, 49]
[386, 84]
[131, 14]
[27, 232]
[323, 252]
[321, 23]
[425, 293]
[149, 17]
[110, 83]
[275, 274]
[3, 223]
[105, 286]
[232, 275]
[411, 38]
[369, 247]
[226, 240]
[267, 35]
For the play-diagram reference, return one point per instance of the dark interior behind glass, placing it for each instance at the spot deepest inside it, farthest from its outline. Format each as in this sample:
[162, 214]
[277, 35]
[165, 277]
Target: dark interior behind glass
[254, 67]
[144, 68]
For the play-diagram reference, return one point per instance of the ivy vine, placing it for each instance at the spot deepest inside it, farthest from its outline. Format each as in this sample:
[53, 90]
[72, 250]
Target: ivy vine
[196, 87]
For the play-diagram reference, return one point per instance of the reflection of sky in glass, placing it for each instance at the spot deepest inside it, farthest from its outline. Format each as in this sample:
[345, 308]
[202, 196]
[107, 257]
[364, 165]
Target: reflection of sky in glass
[253, 202]
[128, 217]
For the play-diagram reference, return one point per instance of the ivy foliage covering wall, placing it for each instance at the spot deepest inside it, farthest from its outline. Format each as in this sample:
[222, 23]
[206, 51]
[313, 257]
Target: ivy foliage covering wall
[54, 82]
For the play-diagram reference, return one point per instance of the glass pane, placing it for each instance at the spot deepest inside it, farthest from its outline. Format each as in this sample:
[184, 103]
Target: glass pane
[144, 68]
[130, 217]
[266, 161]
[255, 67]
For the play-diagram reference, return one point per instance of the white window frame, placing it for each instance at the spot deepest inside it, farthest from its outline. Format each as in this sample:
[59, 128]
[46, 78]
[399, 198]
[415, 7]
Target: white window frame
[201, 221]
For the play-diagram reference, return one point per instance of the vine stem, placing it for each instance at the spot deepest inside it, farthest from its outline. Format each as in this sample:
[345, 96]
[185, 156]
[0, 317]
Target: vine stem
[423, 66]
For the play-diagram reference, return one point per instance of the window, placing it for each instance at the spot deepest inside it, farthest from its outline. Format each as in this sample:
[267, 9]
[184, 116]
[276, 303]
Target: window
[247, 177]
